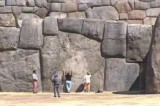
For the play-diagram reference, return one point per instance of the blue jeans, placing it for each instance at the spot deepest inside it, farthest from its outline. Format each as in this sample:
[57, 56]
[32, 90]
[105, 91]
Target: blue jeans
[68, 85]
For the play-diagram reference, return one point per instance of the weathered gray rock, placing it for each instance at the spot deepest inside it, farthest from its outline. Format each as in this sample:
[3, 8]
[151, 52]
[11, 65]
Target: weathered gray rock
[93, 3]
[82, 7]
[120, 76]
[31, 34]
[10, 2]
[7, 20]
[132, 4]
[35, 9]
[70, 25]
[138, 42]
[56, 1]
[153, 70]
[134, 21]
[106, 12]
[50, 26]
[30, 3]
[147, 0]
[55, 7]
[113, 2]
[93, 29]
[77, 15]
[16, 70]
[141, 5]
[155, 4]
[136, 15]
[69, 7]
[2, 3]
[114, 40]
[123, 7]
[21, 2]
[153, 12]
[16, 11]
[9, 38]
[149, 21]
[42, 12]
[27, 9]
[40, 3]
[123, 16]
[47, 5]
[72, 52]
[6, 9]
[58, 15]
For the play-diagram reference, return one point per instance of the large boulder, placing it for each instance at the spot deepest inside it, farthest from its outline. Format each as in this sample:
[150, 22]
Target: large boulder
[141, 5]
[77, 15]
[114, 40]
[58, 15]
[105, 12]
[67, 52]
[70, 25]
[7, 20]
[6, 9]
[31, 34]
[123, 7]
[9, 38]
[137, 15]
[120, 76]
[69, 7]
[16, 70]
[153, 12]
[93, 29]
[10, 2]
[42, 12]
[138, 42]
[153, 70]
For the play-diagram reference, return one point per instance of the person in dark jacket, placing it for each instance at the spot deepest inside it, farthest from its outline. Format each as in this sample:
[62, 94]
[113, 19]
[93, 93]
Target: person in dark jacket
[68, 77]
[56, 81]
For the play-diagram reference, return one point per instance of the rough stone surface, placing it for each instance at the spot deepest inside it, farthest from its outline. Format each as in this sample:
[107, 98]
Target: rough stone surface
[30, 3]
[16, 70]
[10, 2]
[114, 40]
[106, 12]
[134, 21]
[93, 29]
[153, 12]
[113, 2]
[77, 15]
[93, 3]
[123, 16]
[155, 4]
[132, 4]
[21, 2]
[138, 42]
[27, 9]
[72, 52]
[147, 0]
[16, 11]
[31, 34]
[153, 70]
[149, 21]
[69, 7]
[42, 12]
[82, 7]
[6, 9]
[7, 20]
[58, 15]
[119, 75]
[50, 26]
[55, 7]
[9, 38]
[56, 1]
[40, 3]
[123, 7]
[136, 15]
[141, 5]
[2, 3]
[70, 25]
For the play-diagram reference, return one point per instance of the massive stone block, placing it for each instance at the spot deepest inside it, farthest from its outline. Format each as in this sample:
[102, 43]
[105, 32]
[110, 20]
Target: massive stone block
[93, 29]
[55, 7]
[16, 70]
[58, 15]
[42, 12]
[141, 5]
[40, 3]
[120, 76]
[56, 1]
[92, 3]
[69, 7]
[2, 3]
[50, 26]
[136, 15]
[21, 2]
[149, 21]
[153, 12]
[114, 40]
[9, 38]
[16, 11]
[30, 3]
[10, 2]
[153, 70]
[134, 21]
[72, 52]
[147, 0]
[155, 4]
[105, 12]
[138, 42]
[27, 9]
[6, 9]
[77, 15]
[31, 34]
[7, 20]
[82, 7]
[123, 7]
[70, 25]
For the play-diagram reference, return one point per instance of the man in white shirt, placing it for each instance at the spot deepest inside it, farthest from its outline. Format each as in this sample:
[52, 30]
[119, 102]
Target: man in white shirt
[35, 83]
[87, 85]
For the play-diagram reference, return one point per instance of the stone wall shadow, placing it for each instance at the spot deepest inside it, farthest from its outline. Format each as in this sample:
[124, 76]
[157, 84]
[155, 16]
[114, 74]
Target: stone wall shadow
[80, 88]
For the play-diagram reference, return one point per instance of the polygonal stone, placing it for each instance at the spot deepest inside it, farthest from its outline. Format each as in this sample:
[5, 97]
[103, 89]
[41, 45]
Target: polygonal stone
[153, 12]
[58, 15]
[138, 42]
[82, 7]
[147, 0]
[105, 12]
[50, 26]
[77, 15]
[21, 2]
[7, 20]
[149, 21]
[123, 7]
[6, 9]
[141, 5]
[31, 34]
[69, 7]
[16, 10]
[55, 7]
[136, 14]
[155, 4]
[27, 9]
[93, 3]
[120, 76]
[40, 3]
[132, 4]
[9, 38]
[93, 29]
[70, 25]
[114, 40]
[2, 3]
[123, 16]
[134, 21]
[42, 12]
[10, 2]
[30, 3]
[56, 1]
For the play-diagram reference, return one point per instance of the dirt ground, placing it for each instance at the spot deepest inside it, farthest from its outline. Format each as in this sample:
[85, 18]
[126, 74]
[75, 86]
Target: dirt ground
[80, 99]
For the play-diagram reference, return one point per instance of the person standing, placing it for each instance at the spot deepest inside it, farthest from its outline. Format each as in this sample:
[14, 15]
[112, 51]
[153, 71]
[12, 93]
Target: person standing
[68, 77]
[87, 85]
[56, 81]
[35, 81]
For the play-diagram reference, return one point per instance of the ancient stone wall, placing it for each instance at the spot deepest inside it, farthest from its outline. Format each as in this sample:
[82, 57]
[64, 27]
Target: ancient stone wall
[110, 38]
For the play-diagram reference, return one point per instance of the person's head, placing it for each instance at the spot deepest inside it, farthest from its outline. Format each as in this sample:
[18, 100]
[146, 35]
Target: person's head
[34, 71]
[88, 73]
[55, 75]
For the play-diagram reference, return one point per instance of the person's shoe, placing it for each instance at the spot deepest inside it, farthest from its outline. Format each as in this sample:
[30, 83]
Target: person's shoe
[88, 91]
[82, 91]
[34, 92]
[55, 96]
[59, 96]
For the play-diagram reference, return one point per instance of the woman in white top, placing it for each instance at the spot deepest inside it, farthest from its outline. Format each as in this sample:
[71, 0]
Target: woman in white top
[87, 85]
[35, 83]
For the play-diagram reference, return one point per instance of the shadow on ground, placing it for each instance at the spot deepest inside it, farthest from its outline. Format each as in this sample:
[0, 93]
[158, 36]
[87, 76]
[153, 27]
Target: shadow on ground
[130, 92]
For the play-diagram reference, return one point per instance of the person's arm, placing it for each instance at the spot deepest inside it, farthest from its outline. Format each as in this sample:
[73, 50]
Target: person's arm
[71, 72]
[64, 73]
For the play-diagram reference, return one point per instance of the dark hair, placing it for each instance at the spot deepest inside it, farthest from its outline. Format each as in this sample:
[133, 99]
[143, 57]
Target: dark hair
[34, 71]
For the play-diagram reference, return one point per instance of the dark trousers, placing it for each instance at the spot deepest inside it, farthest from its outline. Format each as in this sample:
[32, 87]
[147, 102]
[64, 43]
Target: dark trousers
[57, 90]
